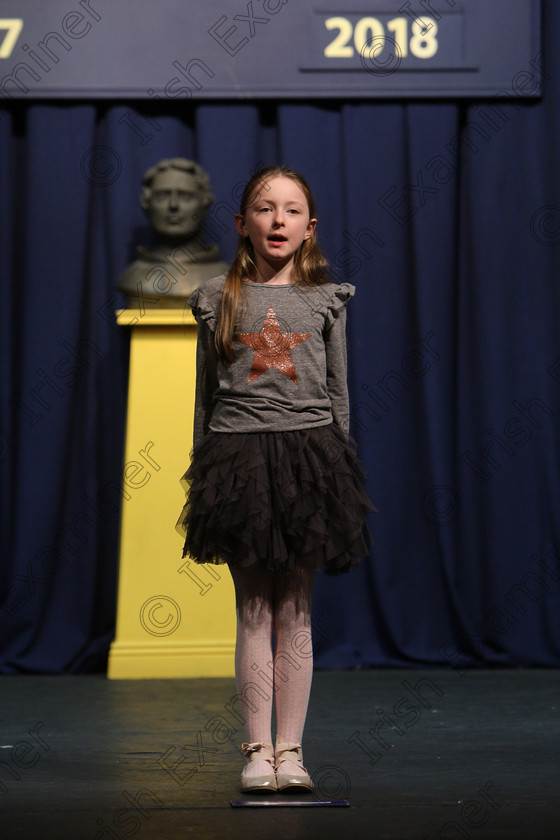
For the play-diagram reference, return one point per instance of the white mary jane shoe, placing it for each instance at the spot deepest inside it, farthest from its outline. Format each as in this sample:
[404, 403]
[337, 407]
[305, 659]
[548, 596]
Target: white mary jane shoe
[267, 781]
[287, 754]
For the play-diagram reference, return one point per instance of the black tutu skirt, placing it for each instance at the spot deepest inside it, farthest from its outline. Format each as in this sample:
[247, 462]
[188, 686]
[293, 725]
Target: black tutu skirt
[277, 500]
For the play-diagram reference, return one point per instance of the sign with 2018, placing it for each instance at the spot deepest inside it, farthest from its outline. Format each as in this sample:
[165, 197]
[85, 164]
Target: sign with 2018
[270, 49]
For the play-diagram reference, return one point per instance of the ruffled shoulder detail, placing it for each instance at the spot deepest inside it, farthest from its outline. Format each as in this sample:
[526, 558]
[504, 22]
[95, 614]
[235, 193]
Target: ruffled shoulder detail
[340, 296]
[205, 301]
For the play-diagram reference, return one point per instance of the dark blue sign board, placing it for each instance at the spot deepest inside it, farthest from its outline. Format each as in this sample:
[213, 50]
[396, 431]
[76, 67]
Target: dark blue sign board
[239, 49]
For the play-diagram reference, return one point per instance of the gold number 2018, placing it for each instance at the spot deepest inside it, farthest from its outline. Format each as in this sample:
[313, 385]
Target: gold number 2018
[369, 31]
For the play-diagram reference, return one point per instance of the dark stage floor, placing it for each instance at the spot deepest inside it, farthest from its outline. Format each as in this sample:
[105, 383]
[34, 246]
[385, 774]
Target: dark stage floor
[418, 754]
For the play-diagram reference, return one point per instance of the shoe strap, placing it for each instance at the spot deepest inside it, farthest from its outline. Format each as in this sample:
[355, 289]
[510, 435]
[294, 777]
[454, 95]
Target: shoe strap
[258, 750]
[288, 752]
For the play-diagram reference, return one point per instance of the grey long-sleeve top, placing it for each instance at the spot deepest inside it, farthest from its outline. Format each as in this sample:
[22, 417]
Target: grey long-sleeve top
[289, 370]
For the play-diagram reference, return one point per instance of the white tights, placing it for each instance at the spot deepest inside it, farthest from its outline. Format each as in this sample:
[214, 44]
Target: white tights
[268, 602]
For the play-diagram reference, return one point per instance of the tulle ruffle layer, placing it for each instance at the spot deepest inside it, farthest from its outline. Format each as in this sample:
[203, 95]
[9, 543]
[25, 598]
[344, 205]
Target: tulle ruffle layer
[277, 500]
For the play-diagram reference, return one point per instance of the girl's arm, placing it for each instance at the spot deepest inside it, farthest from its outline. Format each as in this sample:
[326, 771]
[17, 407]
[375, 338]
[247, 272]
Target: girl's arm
[337, 385]
[206, 380]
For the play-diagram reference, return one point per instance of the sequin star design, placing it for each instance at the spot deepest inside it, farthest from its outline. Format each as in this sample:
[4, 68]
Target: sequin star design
[272, 347]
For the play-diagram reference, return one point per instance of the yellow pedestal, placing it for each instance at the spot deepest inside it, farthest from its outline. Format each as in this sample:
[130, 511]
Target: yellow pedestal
[175, 618]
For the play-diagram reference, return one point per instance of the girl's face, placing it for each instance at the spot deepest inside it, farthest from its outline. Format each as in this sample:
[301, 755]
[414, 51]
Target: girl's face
[276, 221]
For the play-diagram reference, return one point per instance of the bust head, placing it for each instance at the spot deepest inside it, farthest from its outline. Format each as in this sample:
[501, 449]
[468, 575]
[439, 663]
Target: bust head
[175, 197]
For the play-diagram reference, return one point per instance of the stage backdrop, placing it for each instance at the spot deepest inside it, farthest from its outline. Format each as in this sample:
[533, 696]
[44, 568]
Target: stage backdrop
[446, 217]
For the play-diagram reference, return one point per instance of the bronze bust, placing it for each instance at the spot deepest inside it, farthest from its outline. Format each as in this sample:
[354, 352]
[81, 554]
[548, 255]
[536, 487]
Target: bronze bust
[175, 197]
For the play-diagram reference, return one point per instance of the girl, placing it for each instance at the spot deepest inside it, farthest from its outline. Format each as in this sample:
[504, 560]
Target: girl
[275, 489]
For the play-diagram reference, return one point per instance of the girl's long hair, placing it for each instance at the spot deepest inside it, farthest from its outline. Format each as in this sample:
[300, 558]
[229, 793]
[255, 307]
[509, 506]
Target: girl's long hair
[310, 264]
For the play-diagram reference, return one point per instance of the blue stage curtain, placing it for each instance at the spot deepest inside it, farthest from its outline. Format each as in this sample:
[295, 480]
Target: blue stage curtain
[446, 217]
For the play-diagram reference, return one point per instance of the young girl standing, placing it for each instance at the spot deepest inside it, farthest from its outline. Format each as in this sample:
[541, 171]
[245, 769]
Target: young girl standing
[275, 488]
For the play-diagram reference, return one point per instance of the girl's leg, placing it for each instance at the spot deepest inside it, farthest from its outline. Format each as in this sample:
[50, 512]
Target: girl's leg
[293, 661]
[254, 591]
